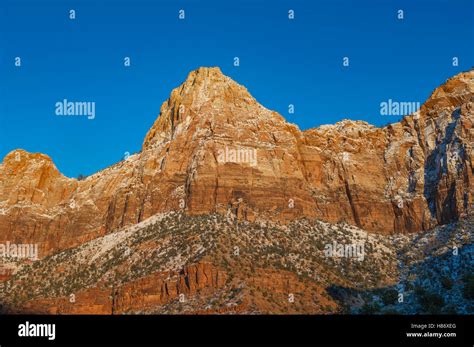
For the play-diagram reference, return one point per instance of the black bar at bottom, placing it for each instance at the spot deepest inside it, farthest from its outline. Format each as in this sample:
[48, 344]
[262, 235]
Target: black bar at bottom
[391, 330]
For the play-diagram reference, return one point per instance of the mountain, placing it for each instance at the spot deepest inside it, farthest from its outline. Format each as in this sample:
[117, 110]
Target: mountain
[231, 207]
[197, 157]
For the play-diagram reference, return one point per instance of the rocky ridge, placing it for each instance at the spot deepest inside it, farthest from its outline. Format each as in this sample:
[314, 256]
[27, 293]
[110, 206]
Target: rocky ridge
[407, 177]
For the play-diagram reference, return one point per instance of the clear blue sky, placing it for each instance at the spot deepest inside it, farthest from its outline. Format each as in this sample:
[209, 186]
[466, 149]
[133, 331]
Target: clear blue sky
[282, 62]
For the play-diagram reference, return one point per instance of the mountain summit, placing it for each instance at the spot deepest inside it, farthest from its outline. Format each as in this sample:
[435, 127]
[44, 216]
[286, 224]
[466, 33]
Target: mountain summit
[205, 93]
[214, 149]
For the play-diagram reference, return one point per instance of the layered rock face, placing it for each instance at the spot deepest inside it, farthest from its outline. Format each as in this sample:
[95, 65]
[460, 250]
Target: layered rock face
[148, 292]
[214, 148]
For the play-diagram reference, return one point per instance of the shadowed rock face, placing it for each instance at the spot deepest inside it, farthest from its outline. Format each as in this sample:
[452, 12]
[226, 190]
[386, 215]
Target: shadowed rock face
[214, 148]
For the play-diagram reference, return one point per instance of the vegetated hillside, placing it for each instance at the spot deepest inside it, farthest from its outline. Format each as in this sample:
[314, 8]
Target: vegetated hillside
[175, 263]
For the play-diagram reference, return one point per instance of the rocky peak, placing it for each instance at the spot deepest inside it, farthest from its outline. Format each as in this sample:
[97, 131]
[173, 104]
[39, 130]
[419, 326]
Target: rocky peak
[31, 178]
[20, 157]
[205, 83]
[205, 91]
[343, 127]
[455, 91]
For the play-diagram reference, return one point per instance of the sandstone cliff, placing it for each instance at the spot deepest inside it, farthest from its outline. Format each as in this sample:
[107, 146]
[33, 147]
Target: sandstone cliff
[406, 177]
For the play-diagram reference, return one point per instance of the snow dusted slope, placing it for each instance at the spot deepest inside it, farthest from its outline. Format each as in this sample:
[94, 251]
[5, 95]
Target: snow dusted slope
[219, 265]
